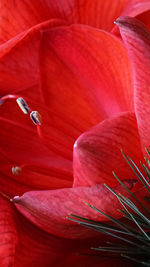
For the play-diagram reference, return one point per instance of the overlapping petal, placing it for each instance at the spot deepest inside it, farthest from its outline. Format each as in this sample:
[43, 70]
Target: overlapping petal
[23, 244]
[97, 152]
[21, 15]
[20, 55]
[36, 248]
[65, 120]
[137, 41]
[145, 18]
[17, 17]
[49, 209]
[78, 77]
[136, 7]
[93, 82]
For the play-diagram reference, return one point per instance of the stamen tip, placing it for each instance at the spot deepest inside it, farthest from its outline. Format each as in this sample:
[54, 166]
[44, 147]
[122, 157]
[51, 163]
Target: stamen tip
[16, 170]
[15, 199]
[23, 105]
[36, 117]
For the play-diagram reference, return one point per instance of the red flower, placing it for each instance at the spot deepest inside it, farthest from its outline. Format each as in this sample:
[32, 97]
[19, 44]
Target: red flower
[87, 91]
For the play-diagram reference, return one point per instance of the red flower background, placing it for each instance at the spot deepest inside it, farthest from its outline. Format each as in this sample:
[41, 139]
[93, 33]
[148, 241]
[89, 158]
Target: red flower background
[90, 84]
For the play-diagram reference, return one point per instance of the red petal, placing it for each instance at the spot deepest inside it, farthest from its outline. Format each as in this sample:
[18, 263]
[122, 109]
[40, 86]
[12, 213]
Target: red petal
[36, 248]
[87, 91]
[18, 62]
[137, 41]
[40, 173]
[9, 186]
[19, 59]
[145, 18]
[20, 145]
[136, 7]
[21, 16]
[34, 178]
[23, 244]
[49, 209]
[24, 14]
[8, 234]
[97, 152]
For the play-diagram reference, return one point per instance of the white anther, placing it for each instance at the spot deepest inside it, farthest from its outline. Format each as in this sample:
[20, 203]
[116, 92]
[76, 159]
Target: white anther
[36, 117]
[16, 170]
[15, 197]
[23, 105]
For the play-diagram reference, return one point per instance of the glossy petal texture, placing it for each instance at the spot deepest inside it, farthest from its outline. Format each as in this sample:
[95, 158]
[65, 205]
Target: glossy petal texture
[8, 234]
[21, 55]
[49, 209]
[97, 152]
[17, 16]
[76, 77]
[23, 244]
[77, 100]
[137, 41]
[64, 120]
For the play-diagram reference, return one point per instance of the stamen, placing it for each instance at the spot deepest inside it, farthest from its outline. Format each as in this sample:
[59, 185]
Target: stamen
[16, 170]
[36, 117]
[14, 199]
[20, 101]
[4, 195]
[23, 105]
[6, 97]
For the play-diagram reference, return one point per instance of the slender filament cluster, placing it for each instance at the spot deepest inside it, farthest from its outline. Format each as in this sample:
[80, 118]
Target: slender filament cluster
[33, 115]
